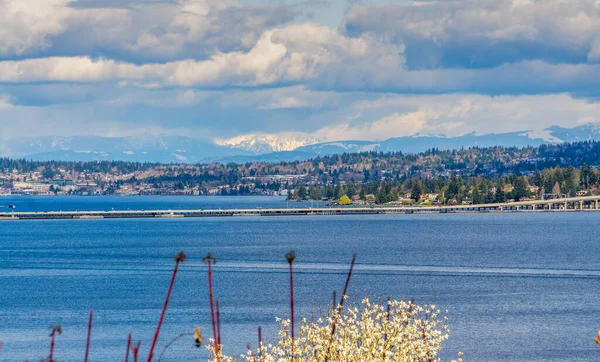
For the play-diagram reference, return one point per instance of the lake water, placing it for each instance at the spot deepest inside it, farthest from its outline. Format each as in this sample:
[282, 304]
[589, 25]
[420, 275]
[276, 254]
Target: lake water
[518, 287]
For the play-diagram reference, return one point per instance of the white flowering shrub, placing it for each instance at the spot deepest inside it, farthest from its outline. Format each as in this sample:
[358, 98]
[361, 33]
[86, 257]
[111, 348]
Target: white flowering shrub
[371, 331]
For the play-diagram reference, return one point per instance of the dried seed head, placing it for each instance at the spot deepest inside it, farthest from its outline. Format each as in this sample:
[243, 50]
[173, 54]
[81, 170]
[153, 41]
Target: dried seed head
[198, 337]
[209, 258]
[56, 329]
[180, 257]
[290, 256]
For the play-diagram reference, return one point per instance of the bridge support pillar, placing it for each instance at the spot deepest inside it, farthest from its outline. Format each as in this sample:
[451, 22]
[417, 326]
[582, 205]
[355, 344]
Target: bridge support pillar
[580, 205]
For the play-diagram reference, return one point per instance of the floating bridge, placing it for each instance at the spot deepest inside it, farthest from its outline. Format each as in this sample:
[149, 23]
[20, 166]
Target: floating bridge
[584, 203]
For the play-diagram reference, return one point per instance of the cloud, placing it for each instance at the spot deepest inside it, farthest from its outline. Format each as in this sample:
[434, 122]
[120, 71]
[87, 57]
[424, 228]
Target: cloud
[326, 116]
[26, 26]
[359, 65]
[453, 115]
[483, 33]
[458, 114]
[293, 54]
[294, 98]
[395, 125]
[155, 31]
[221, 68]
[320, 58]
[5, 101]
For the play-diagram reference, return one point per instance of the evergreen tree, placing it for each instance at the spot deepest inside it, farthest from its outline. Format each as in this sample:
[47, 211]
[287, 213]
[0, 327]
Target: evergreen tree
[520, 190]
[394, 196]
[301, 193]
[585, 175]
[556, 190]
[350, 189]
[476, 195]
[453, 188]
[338, 191]
[362, 195]
[415, 192]
[329, 192]
[314, 193]
[500, 195]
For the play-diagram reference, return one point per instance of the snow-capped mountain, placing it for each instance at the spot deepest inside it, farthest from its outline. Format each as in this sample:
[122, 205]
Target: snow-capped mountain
[144, 148]
[586, 132]
[265, 147]
[421, 143]
[265, 143]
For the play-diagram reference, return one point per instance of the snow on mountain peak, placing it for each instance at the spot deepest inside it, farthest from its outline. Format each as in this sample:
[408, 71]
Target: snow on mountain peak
[544, 135]
[428, 135]
[264, 143]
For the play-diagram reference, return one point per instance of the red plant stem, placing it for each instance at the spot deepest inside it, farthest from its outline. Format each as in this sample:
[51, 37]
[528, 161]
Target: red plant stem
[136, 350]
[128, 348]
[292, 307]
[89, 336]
[164, 310]
[387, 318]
[51, 346]
[218, 324]
[341, 305]
[212, 312]
[346, 285]
[259, 343]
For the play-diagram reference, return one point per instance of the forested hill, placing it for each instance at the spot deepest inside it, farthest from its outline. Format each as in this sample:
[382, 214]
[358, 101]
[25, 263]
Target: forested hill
[469, 175]
[485, 161]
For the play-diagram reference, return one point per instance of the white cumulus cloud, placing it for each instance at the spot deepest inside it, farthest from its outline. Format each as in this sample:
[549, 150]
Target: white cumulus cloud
[479, 33]
[26, 26]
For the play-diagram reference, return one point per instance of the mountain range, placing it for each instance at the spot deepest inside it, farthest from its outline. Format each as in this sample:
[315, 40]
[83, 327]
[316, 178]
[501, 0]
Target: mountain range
[265, 148]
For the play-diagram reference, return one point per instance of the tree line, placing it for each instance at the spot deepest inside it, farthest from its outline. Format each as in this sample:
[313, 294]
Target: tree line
[554, 182]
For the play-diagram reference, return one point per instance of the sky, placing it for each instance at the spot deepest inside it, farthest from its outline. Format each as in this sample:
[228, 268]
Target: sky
[308, 69]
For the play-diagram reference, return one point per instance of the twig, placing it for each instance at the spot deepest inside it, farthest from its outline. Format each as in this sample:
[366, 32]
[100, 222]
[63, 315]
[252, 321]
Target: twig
[219, 324]
[208, 259]
[136, 351]
[89, 336]
[56, 329]
[179, 258]
[340, 306]
[260, 342]
[128, 348]
[291, 256]
[333, 302]
[171, 342]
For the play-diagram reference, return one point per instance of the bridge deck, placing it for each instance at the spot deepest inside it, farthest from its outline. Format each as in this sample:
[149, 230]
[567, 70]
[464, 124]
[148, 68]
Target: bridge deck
[584, 203]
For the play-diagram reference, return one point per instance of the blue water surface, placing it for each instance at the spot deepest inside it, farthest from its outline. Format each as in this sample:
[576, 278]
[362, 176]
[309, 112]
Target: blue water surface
[518, 287]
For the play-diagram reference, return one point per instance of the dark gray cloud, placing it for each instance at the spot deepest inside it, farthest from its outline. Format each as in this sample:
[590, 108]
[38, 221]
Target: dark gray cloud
[484, 33]
[135, 31]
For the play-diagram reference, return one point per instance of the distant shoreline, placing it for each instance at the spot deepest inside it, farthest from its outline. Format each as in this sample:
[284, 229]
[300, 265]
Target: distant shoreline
[577, 204]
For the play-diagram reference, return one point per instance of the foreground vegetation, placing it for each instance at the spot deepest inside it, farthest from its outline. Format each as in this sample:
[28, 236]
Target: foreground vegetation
[395, 330]
[372, 331]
